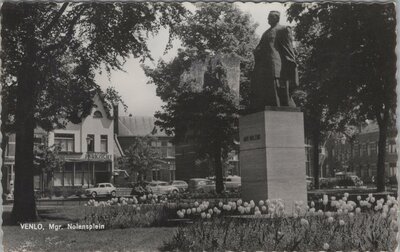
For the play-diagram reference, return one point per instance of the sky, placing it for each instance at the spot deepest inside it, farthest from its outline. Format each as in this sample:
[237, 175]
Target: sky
[132, 83]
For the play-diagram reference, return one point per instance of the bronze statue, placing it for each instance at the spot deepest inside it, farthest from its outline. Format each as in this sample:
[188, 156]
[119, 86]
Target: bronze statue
[275, 70]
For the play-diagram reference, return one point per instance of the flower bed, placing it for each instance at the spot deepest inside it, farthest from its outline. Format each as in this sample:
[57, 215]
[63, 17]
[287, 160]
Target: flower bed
[335, 224]
[126, 212]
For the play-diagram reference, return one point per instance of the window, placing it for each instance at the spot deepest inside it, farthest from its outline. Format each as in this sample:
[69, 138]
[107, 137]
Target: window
[372, 148]
[68, 174]
[163, 152]
[392, 148]
[171, 152]
[65, 141]
[90, 143]
[364, 149]
[37, 140]
[355, 150]
[392, 169]
[164, 143]
[10, 148]
[103, 143]
[97, 114]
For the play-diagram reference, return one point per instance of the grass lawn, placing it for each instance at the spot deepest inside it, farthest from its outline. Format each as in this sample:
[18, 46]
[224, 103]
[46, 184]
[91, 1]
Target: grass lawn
[132, 239]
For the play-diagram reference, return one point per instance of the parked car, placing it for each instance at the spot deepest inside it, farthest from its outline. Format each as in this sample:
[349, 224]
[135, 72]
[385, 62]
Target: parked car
[162, 187]
[180, 184]
[233, 183]
[341, 180]
[201, 185]
[101, 189]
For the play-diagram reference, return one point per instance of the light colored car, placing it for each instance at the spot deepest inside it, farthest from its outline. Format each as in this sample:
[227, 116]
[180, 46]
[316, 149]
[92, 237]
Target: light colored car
[161, 188]
[101, 189]
[201, 185]
[180, 184]
[233, 183]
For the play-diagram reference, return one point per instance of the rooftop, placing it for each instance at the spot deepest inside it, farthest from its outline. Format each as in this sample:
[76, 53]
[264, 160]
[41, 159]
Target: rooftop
[138, 126]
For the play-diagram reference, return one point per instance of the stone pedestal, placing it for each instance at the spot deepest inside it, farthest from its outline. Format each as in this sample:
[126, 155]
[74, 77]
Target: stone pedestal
[272, 156]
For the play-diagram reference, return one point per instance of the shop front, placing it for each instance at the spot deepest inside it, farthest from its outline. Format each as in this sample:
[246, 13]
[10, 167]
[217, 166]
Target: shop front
[85, 171]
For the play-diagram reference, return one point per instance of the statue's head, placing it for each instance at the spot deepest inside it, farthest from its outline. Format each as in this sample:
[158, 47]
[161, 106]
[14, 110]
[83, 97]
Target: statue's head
[273, 17]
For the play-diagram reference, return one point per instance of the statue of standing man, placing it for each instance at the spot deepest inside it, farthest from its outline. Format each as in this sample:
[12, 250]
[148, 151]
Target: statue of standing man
[275, 70]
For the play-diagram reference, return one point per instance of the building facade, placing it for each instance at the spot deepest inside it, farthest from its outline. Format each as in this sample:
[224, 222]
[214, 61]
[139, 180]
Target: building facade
[361, 153]
[87, 149]
[131, 127]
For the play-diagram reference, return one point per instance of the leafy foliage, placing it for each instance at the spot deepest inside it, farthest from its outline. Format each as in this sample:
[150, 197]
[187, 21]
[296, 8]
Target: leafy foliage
[50, 54]
[208, 118]
[215, 28]
[348, 66]
[72, 40]
[48, 159]
[219, 28]
[140, 157]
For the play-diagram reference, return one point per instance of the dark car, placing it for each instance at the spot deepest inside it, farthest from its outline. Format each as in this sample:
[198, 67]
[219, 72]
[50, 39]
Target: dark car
[139, 189]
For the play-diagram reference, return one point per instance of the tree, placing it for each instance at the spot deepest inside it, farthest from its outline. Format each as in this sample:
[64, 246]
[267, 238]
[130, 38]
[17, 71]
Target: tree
[50, 53]
[209, 117]
[47, 160]
[140, 157]
[222, 28]
[352, 47]
[214, 29]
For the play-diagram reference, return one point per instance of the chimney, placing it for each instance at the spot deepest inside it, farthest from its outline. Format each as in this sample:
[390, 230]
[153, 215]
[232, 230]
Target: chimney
[116, 115]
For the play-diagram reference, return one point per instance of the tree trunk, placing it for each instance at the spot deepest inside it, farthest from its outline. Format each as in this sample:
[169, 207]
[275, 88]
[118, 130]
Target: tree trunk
[316, 138]
[4, 141]
[219, 183]
[380, 166]
[24, 209]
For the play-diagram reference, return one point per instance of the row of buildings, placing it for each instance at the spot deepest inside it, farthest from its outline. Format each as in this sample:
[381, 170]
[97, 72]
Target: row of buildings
[90, 150]
[359, 154]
